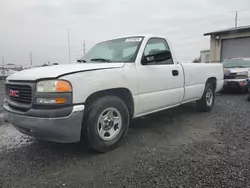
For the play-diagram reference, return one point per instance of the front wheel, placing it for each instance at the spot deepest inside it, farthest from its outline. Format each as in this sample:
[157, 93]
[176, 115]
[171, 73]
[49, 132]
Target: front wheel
[206, 103]
[107, 123]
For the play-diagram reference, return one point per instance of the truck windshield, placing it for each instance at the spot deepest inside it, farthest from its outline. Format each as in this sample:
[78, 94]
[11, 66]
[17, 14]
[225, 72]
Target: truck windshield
[117, 50]
[236, 63]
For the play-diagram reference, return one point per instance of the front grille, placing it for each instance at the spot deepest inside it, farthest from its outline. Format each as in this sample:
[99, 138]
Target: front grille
[23, 93]
[235, 76]
[231, 76]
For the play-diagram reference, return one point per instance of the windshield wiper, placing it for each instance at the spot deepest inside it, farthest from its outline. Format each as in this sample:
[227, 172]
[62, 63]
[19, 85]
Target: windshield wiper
[101, 59]
[81, 61]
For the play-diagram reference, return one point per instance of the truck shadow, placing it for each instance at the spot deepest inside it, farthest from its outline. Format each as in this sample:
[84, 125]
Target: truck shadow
[233, 92]
[163, 118]
[159, 120]
[155, 122]
[44, 155]
[151, 123]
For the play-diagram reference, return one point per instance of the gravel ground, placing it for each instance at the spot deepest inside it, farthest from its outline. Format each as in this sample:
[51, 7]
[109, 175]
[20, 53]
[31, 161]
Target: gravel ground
[175, 148]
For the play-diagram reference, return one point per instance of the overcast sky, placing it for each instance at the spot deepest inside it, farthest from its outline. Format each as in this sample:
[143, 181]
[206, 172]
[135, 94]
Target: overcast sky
[41, 26]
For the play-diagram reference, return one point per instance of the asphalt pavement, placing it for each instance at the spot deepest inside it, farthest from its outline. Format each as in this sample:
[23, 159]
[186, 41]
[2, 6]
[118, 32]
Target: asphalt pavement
[179, 147]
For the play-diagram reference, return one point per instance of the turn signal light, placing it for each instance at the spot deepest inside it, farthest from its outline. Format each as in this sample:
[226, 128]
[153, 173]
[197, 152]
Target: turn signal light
[60, 100]
[63, 86]
[50, 100]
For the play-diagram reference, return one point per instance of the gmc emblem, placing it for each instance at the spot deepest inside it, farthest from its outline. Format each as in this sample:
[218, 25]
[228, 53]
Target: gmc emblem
[13, 93]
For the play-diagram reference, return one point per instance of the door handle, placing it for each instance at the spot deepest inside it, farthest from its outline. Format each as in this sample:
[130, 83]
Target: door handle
[175, 72]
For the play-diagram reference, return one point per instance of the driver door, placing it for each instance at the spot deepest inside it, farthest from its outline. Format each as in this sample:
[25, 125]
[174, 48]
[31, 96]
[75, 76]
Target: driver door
[160, 83]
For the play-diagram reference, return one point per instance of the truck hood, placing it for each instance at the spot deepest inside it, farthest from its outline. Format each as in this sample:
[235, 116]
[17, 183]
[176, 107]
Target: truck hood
[236, 70]
[60, 70]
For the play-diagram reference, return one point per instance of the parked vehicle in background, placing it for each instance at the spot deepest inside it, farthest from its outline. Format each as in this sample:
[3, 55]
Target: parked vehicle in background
[115, 81]
[237, 73]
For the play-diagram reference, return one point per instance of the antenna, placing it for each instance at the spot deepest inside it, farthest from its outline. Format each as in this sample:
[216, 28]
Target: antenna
[69, 46]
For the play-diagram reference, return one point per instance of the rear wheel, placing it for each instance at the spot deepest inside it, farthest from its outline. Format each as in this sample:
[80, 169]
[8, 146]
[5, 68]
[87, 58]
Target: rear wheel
[206, 103]
[107, 123]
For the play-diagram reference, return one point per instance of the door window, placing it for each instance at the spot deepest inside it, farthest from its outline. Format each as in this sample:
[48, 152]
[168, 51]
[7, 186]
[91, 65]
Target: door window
[154, 45]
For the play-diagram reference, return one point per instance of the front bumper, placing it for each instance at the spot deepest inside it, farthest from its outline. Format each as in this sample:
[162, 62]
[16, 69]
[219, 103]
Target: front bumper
[235, 83]
[63, 129]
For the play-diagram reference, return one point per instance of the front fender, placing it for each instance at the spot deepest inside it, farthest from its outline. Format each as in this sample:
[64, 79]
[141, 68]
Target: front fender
[86, 83]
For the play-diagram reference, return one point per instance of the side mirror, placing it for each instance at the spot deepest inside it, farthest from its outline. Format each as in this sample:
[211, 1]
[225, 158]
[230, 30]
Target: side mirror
[157, 56]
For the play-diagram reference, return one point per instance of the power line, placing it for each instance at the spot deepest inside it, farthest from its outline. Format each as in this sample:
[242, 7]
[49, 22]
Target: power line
[213, 22]
[202, 19]
[216, 15]
[204, 25]
[242, 10]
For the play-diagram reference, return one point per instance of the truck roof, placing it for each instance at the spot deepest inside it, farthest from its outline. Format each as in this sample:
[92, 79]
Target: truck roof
[141, 35]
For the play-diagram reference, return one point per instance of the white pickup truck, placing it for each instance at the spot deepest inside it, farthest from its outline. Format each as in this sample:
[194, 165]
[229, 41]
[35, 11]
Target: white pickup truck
[117, 80]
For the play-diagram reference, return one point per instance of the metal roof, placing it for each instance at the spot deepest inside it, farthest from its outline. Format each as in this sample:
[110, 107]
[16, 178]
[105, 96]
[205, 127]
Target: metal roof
[230, 30]
[205, 51]
[239, 58]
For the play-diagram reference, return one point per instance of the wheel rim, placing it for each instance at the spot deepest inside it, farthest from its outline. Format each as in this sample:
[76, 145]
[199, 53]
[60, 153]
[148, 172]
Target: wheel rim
[209, 97]
[109, 124]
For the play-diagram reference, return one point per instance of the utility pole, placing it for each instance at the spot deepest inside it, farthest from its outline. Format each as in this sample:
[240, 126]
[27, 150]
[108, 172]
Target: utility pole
[69, 46]
[3, 61]
[3, 71]
[30, 59]
[236, 18]
[84, 47]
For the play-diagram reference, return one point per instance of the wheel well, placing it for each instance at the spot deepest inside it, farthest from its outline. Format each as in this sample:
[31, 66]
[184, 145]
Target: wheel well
[122, 93]
[212, 80]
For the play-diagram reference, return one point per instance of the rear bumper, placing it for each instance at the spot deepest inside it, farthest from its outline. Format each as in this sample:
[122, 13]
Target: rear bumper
[58, 129]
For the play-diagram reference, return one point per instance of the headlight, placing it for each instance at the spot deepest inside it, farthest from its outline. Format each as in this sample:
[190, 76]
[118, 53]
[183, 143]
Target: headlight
[242, 74]
[53, 86]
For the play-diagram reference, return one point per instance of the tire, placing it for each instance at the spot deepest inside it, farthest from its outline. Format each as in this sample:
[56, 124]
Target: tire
[243, 90]
[98, 121]
[205, 104]
[248, 98]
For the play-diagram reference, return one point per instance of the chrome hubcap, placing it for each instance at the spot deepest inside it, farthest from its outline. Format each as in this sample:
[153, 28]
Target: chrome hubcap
[109, 124]
[209, 97]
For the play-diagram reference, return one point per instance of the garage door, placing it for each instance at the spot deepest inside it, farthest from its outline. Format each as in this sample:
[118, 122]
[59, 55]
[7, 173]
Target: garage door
[233, 48]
